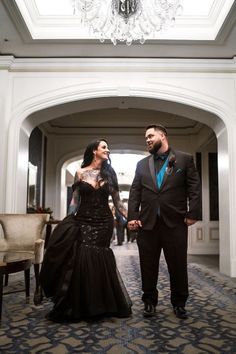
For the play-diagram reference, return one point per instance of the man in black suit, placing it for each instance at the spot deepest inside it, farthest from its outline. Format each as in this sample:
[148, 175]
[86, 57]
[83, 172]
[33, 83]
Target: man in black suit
[165, 198]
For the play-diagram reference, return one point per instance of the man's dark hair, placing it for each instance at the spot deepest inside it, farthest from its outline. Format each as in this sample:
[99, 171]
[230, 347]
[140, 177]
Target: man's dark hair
[157, 127]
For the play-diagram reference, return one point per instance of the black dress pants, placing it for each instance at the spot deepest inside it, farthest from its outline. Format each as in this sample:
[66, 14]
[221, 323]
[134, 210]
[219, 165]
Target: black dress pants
[173, 241]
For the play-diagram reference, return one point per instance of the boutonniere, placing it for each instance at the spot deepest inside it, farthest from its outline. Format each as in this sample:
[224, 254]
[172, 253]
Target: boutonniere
[171, 165]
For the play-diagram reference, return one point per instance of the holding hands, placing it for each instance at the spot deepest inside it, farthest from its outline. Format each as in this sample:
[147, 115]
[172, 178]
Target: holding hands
[133, 225]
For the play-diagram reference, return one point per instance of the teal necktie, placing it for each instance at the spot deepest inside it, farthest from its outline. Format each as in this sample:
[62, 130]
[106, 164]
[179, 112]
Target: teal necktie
[160, 175]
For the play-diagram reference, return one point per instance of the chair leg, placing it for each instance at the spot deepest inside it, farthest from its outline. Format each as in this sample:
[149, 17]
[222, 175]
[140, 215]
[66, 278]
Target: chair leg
[1, 289]
[27, 283]
[6, 280]
[38, 295]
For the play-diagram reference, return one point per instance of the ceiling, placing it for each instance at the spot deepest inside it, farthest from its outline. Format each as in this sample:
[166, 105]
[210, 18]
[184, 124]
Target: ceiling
[206, 30]
[131, 119]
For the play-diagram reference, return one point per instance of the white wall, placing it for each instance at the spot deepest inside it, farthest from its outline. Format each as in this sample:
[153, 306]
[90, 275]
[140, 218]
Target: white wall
[4, 119]
[204, 236]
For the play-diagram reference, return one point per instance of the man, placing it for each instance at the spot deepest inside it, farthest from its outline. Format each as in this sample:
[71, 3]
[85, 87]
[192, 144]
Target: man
[165, 198]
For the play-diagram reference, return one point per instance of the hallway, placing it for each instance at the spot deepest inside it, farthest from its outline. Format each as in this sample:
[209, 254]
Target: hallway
[210, 327]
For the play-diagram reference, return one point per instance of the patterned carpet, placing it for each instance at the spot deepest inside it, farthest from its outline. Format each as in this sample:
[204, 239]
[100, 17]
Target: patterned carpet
[210, 328]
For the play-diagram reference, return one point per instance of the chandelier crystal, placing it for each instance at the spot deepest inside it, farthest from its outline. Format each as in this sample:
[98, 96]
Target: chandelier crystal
[127, 20]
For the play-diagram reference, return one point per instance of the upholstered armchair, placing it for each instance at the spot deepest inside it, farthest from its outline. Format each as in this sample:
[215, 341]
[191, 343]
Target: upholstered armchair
[25, 233]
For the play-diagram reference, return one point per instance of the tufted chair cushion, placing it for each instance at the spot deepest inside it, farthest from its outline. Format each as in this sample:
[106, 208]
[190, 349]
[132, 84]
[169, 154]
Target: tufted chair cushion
[23, 232]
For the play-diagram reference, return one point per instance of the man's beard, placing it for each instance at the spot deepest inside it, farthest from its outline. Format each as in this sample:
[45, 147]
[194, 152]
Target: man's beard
[156, 147]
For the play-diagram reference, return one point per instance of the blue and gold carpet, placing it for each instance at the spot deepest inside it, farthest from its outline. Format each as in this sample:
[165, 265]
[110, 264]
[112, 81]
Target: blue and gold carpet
[210, 328]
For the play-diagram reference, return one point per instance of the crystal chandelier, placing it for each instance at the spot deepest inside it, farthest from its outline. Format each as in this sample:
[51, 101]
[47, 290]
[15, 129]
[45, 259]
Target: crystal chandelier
[127, 20]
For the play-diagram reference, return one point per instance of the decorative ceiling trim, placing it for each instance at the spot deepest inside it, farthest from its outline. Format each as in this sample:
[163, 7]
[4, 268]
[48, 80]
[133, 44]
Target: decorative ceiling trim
[118, 65]
[68, 27]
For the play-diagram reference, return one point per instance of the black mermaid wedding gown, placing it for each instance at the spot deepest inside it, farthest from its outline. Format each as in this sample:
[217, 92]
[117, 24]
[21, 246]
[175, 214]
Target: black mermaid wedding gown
[79, 270]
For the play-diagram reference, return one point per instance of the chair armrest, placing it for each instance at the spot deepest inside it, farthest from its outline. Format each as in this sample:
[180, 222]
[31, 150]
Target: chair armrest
[39, 251]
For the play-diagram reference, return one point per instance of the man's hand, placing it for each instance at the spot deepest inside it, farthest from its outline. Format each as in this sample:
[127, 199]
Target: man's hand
[134, 225]
[189, 222]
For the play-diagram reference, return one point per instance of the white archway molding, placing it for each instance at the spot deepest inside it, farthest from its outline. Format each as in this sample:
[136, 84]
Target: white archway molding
[28, 113]
[201, 93]
[25, 118]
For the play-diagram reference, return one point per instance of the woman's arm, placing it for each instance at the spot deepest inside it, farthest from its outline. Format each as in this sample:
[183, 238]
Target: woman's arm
[119, 205]
[74, 204]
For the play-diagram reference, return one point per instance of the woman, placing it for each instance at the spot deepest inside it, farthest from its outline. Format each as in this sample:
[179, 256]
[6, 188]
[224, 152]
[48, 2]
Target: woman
[79, 270]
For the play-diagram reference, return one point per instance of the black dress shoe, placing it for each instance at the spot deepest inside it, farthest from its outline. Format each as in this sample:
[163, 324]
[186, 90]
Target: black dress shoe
[180, 312]
[149, 310]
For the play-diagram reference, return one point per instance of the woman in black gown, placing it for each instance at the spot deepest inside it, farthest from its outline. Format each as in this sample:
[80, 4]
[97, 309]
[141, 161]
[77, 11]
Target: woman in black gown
[79, 270]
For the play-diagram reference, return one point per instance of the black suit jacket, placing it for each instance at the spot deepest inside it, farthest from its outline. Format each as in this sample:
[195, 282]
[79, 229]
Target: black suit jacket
[178, 197]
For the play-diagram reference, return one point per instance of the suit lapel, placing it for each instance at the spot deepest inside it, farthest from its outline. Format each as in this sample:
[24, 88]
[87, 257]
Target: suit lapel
[152, 170]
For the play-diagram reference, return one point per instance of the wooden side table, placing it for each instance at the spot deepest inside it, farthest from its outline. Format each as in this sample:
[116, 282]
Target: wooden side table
[13, 262]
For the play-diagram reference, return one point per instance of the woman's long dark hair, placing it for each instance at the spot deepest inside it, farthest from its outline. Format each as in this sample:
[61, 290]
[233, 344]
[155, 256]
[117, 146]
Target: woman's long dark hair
[107, 172]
